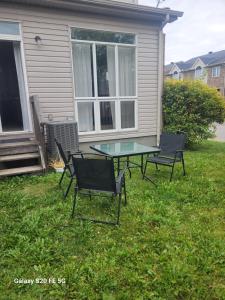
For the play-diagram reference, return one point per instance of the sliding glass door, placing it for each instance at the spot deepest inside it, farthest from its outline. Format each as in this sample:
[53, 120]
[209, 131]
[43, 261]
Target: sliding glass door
[14, 114]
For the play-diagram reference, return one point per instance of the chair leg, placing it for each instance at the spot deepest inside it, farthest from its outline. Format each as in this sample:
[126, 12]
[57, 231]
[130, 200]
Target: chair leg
[61, 179]
[74, 201]
[118, 212]
[125, 192]
[171, 175]
[145, 169]
[128, 163]
[68, 188]
[156, 166]
[184, 171]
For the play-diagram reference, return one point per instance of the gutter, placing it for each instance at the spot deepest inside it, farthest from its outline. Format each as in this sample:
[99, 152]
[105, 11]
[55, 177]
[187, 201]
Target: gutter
[161, 76]
[167, 20]
[215, 64]
[105, 7]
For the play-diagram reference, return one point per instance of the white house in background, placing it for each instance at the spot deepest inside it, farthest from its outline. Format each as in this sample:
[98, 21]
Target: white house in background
[95, 61]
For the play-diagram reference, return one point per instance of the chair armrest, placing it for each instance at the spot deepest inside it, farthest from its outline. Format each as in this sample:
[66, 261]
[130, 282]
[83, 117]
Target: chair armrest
[77, 152]
[179, 151]
[120, 180]
[80, 153]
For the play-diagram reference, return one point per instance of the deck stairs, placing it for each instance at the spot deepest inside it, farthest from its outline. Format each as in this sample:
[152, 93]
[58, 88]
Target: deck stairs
[20, 154]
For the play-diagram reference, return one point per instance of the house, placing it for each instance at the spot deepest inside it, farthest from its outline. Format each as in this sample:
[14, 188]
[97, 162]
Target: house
[209, 67]
[95, 61]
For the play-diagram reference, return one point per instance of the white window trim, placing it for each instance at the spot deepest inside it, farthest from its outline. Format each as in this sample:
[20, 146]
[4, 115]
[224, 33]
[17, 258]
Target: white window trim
[116, 98]
[217, 73]
[176, 75]
[198, 68]
[11, 37]
[18, 38]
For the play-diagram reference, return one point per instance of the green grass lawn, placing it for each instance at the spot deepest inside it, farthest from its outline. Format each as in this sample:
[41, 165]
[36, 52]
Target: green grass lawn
[170, 245]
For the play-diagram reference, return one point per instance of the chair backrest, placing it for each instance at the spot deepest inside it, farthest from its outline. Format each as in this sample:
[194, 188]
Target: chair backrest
[62, 153]
[171, 142]
[95, 174]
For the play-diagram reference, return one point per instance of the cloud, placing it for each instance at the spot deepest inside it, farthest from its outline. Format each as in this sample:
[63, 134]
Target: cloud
[200, 30]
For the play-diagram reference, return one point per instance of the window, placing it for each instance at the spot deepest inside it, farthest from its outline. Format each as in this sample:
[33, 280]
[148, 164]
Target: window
[175, 75]
[102, 36]
[216, 71]
[104, 65]
[106, 71]
[9, 28]
[198, 72]
[83, 67]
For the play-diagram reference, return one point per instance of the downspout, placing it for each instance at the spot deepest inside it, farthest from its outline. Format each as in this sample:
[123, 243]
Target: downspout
[161, 76]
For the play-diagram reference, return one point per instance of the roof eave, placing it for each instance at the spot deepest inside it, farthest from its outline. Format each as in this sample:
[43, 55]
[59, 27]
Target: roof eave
[215, 64]
[108, 8]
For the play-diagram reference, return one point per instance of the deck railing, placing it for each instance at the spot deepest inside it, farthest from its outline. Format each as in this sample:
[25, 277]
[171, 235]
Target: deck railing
[39, 130]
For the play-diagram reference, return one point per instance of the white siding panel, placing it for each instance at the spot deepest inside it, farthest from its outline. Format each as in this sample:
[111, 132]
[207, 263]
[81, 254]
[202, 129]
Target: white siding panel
[45, 54]
[49, 66]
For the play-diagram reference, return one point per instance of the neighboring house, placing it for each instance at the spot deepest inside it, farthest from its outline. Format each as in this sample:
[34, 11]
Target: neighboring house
[209, 67]
[97, 62]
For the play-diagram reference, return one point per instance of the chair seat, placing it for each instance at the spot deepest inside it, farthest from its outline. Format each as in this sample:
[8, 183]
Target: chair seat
[162, 160]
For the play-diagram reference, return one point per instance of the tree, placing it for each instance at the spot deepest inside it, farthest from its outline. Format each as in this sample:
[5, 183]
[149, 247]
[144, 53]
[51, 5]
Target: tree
[192, 107]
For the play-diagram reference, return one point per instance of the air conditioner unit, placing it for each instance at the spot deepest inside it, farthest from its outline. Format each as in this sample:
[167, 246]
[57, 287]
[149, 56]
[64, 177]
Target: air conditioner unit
[67, 135]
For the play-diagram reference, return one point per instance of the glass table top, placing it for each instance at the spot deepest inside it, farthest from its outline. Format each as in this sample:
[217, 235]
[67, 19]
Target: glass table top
[124, 149]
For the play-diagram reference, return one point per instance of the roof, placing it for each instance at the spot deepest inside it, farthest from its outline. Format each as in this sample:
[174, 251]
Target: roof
[107, 7]
[213, 58]
[168, 68]
[209, 59]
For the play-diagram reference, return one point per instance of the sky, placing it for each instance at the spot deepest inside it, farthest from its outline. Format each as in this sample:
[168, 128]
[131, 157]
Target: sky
[199, 31]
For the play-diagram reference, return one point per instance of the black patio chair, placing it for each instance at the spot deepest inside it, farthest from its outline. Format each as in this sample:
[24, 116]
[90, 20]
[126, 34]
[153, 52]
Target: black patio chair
[96, 177]
[172, 148]
[68, 167]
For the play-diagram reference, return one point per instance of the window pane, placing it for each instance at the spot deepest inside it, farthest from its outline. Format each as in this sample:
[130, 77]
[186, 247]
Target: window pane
[175, 75]
[106, 70]
[86, 118]
[107, 115]
[127, 114]
[83, 70]
[198, 72]
[10, 28]
[215, 71]
[127, 71]
[102, 36]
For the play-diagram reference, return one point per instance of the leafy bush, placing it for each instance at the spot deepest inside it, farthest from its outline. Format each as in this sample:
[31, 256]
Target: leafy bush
[192, 107]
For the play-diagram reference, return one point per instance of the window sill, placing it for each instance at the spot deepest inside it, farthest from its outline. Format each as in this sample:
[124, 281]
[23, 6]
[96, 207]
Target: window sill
[121, 131]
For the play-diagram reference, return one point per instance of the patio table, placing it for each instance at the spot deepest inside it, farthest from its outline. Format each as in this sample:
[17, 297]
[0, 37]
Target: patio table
[126, 149]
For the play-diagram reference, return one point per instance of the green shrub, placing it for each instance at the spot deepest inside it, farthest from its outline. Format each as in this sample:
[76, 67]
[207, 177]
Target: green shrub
[192, 107]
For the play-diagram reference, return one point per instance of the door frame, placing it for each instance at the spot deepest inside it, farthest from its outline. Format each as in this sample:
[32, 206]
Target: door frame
[18, 38]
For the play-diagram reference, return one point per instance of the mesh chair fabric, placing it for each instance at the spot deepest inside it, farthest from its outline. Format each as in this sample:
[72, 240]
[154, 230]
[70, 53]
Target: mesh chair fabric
[65, 158]
[95, 174]
[170, 143]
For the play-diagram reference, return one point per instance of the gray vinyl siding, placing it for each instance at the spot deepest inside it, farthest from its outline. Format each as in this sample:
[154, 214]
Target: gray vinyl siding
[49, 66]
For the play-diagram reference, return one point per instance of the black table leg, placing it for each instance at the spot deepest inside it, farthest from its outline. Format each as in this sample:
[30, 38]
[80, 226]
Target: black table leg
[142, 164]
[118, 165]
